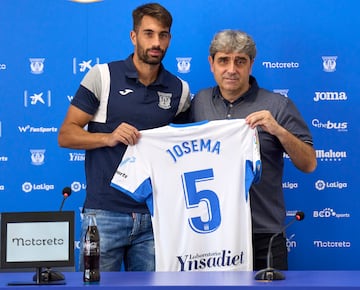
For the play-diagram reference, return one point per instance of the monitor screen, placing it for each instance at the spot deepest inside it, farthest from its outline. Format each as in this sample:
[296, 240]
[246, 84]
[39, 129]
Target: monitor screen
[37, 239]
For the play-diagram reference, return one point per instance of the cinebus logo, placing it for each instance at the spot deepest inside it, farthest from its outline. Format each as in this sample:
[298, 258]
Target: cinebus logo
[328, 125]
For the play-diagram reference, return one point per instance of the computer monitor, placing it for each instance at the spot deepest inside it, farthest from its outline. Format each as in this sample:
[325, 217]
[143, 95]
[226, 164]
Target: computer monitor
[37, 240]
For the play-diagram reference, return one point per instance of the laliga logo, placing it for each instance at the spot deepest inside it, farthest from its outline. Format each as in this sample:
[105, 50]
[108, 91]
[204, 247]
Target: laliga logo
[76, 186]
[320, 185]
[27, 187]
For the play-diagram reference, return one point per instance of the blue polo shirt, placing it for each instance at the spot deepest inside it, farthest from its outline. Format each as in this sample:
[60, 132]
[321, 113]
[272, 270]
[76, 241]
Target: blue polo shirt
[113, 94]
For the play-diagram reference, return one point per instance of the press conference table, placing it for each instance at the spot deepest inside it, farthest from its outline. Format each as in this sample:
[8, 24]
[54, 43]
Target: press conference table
[313, 280]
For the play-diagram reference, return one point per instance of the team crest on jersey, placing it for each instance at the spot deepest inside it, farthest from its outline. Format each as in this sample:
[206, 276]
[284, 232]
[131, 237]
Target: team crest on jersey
[164, 100]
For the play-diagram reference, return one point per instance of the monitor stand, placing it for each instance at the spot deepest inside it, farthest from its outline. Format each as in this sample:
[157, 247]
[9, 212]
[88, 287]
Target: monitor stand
[43, 277]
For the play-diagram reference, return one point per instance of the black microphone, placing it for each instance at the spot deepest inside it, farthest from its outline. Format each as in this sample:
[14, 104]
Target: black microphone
[269, 273]
[66, 192]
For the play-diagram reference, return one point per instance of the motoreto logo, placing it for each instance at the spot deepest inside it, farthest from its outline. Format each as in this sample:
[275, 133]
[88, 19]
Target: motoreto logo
[30, 242]
[280, 65]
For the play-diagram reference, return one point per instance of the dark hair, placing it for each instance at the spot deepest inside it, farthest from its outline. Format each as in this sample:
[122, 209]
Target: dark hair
[154, 10]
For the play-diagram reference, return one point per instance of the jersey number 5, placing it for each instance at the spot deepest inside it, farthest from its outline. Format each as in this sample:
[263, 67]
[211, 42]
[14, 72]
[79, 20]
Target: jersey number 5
[207, 220]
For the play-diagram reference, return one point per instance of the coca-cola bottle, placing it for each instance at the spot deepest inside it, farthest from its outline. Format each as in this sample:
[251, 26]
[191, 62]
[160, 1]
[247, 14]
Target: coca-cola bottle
[91, 250]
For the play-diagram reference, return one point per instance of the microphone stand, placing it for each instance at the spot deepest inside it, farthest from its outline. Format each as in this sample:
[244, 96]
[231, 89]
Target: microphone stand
[269, 273]
[62, 204]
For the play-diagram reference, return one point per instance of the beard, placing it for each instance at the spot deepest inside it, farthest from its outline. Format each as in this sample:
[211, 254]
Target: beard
[145, 57]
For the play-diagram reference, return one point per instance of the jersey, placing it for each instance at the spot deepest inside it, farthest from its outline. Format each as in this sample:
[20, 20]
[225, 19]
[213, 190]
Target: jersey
[195, 179]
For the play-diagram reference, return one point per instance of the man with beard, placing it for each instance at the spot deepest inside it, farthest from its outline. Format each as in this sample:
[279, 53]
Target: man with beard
[116, 100]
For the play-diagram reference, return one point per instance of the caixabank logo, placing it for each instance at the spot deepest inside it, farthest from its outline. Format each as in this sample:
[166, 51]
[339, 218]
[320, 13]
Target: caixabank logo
[37, 99]
[83, 66]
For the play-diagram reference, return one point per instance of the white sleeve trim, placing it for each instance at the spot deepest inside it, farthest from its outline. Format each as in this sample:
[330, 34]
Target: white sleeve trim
[100, 115]
[184, 103]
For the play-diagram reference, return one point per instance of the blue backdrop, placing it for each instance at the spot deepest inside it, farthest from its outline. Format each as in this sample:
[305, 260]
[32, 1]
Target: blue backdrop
[307, 50]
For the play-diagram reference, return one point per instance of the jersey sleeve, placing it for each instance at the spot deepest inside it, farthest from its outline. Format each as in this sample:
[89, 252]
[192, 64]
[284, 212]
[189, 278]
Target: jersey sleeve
[253, 164]
[87, 97]
[257, 167]
[132, 178]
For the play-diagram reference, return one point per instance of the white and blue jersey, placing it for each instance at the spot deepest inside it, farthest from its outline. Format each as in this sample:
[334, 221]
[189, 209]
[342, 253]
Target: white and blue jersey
[195, 179]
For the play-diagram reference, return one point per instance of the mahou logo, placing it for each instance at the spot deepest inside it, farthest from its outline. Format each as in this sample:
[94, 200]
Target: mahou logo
[330, 155]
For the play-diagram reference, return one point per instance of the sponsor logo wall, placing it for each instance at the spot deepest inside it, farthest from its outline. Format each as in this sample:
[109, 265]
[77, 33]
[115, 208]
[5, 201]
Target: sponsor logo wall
[308, 57]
